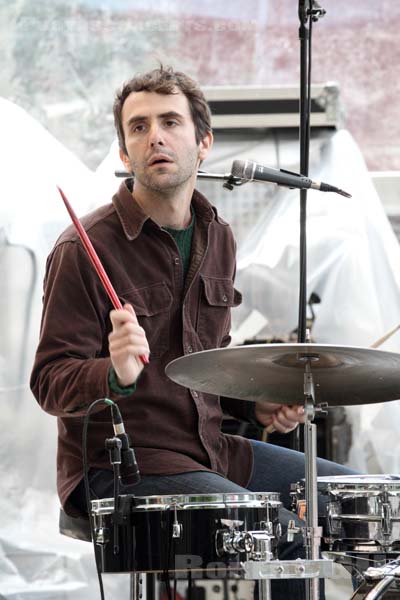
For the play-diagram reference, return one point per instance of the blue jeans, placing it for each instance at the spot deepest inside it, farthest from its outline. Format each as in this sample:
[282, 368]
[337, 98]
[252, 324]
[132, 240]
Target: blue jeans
[274, 470]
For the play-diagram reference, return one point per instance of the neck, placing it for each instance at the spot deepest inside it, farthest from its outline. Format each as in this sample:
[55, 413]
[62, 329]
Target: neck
[168, 208]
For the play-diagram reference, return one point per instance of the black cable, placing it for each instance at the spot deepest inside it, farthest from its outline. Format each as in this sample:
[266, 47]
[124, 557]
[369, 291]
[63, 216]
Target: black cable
[167, 584]
[226, 590]
[174, 546]
[167, 558]
[116, 507]
[190, 586]
[86, 483]
[308, 100]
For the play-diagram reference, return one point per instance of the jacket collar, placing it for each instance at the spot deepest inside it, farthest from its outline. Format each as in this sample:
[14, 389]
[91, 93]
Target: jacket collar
[129, 212]
[133, 218]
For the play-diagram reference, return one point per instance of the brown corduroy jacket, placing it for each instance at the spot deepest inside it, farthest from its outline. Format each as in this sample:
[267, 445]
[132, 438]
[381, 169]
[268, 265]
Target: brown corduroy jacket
[173, 429]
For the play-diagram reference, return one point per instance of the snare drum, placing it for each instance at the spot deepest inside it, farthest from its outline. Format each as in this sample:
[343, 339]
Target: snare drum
[207, 535]
[362, 511]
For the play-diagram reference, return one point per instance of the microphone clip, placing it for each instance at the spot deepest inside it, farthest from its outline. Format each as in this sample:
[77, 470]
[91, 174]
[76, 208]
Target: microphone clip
[114, 445]
[129, 467]
[232, 182]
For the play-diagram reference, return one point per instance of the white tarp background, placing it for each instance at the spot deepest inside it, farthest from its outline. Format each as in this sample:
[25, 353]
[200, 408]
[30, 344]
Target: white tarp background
[35, 561]
[354, 263]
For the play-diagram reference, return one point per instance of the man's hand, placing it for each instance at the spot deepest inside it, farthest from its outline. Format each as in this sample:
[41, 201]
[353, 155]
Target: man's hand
[281, 417]
[127, 342]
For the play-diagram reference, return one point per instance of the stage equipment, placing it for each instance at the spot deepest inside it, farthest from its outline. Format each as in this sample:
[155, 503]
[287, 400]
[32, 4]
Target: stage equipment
[271, 107]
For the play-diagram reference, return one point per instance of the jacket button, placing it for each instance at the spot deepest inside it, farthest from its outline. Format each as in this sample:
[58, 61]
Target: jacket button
[176, 260]
[190, 349]
[225, 298]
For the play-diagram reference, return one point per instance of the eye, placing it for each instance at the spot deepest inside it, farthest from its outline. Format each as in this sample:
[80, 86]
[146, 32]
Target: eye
[171, 123]
[138, 128]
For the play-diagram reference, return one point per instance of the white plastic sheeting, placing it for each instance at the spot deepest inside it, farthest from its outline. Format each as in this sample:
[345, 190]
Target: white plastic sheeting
[353, 266]
[33, 163]
[35, 561]
[353, 256]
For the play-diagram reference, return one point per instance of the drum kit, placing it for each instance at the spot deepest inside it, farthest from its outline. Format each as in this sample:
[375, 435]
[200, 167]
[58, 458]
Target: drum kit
[235, 536]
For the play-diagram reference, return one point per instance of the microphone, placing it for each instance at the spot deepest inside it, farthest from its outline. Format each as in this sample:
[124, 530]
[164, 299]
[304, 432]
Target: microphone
[129, 467]
[252, 171]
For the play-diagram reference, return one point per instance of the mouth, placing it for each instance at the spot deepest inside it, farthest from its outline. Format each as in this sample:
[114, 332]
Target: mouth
[159, 159]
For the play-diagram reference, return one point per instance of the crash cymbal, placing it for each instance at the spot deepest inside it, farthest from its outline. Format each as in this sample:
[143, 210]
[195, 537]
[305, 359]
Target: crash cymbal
[342, 375]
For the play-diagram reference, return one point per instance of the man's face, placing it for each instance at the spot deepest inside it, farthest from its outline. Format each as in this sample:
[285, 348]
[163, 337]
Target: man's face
[160, 140]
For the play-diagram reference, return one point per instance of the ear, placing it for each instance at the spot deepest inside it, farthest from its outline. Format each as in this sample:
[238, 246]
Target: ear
[125, 159]
[205, 145]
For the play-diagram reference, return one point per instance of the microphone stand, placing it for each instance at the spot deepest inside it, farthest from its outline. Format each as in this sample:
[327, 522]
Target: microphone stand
[230, 181]
[113, 445]
[309, 11]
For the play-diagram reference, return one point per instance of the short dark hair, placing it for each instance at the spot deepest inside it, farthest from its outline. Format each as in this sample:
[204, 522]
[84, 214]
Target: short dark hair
[164, 80]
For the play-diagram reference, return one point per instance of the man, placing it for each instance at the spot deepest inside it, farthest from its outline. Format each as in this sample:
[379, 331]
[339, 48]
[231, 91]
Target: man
[171, 259]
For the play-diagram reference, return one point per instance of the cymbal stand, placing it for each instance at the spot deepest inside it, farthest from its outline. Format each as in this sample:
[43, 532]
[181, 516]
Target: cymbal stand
[312, 533]
[313, 567]
[264, 589]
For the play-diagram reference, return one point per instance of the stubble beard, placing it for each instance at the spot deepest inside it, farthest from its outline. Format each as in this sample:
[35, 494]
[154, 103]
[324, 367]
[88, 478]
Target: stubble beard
[167, 183]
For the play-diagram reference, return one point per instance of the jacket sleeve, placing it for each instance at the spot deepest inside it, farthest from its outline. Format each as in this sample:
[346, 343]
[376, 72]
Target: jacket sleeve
[242, 410]
[72, 365]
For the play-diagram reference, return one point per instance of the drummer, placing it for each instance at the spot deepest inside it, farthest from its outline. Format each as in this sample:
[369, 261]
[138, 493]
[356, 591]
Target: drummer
[171, 259]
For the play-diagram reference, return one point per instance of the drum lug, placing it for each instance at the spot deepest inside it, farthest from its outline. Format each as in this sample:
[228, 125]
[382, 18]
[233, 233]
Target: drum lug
[177, 528]
[292, 530]
[101, 535]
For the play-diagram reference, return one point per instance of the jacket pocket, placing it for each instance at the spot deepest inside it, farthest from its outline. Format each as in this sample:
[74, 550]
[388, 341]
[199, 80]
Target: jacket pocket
[152, 306]
[217, 297]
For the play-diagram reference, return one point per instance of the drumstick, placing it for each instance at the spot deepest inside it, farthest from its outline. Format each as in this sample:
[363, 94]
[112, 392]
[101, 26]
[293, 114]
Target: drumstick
[87, 244]
[385, 337]
[266, 432]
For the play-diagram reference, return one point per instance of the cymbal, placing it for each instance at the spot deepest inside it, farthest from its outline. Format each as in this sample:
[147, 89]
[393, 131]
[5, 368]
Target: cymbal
[343, 375]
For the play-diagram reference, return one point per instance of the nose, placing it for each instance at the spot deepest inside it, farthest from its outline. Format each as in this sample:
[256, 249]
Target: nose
[155, 135]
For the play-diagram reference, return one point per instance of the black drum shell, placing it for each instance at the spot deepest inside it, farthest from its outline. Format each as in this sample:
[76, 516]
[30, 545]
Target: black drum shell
[146, 542]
